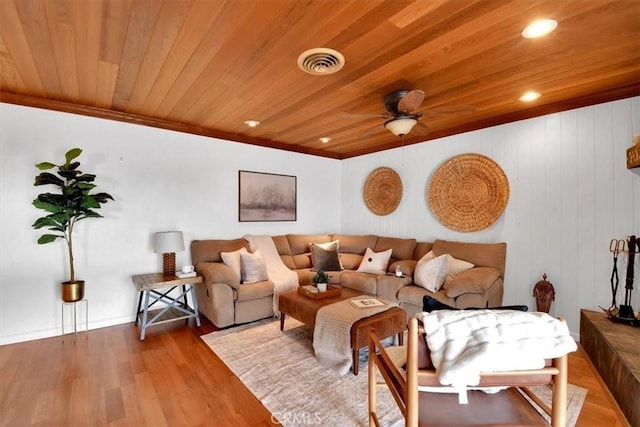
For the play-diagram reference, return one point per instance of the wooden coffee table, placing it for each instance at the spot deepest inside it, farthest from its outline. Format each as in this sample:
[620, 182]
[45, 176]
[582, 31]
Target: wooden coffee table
[304, 309]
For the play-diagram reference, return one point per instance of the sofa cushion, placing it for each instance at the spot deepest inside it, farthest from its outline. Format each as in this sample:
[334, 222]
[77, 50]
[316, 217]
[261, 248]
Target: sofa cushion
[363, 282]
[375, 262]
[325, 257]
[401, 248]
[354, 244]
[480, 254]
[253, 267]
[476, 280]
[255, 290]
[350, 261]
[299, 243]
[431, 274]
[209, 250]
[284, 250]
[232, 260]
[457, 266]
[414, 295]
[422, 248]
[217, 272]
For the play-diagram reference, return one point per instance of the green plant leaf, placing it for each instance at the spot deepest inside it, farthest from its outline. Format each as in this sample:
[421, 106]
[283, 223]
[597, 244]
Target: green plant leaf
[46, 178]
[48, 238]
[102, 197]
[45, 166]
[87, 177]
[69, 174]
[72, 154]
[89, 202]
[45, 222]
[49, 207]
[86, 186]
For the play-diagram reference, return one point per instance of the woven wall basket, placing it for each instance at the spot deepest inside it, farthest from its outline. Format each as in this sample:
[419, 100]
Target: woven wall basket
[383, 191]
[468, 193]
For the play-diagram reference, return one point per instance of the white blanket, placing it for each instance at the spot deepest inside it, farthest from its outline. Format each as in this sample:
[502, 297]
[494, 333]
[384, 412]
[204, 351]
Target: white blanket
[283, 279]
[332, 332]
[464, 343]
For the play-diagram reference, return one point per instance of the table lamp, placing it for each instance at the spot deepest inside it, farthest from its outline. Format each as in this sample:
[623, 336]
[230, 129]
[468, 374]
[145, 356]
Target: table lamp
[168, 243]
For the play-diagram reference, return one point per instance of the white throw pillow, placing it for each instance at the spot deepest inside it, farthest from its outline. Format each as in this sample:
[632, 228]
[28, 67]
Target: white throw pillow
[232, 259]
[253, 268]
[457, 266]
[375, 262]
[432, 274]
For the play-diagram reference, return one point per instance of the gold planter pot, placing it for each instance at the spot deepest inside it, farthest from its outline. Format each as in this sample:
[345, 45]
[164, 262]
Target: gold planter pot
[72, 291]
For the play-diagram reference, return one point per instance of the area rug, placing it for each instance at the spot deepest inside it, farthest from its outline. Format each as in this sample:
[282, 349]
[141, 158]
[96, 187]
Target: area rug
[279, 368]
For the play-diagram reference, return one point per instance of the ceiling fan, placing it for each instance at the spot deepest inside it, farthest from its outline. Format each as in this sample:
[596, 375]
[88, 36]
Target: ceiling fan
[401, 117]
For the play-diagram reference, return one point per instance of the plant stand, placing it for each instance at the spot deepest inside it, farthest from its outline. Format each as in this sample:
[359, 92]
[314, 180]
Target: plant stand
[75, 318]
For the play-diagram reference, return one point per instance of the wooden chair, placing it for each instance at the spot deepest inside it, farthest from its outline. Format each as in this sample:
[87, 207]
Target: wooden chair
[507, 407]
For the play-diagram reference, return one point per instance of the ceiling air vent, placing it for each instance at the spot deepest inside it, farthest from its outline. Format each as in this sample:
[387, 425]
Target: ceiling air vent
[320, 61]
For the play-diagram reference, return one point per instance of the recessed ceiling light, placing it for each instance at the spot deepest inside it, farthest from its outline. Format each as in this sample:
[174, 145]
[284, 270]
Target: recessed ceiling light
[539, 28]
[324, 139]
[529, 96]
[252, 123]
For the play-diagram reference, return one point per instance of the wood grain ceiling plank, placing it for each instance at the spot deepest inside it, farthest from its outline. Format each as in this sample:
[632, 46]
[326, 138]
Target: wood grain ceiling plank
[246, 44]
[106, 83]
[33, 17]
[88, 22]
[165, 33]
[60, 17]
[142, 20]
[9, 75]
[190, 53]
[278, 71]
[113, 29]
[18, 49]
[414, 12]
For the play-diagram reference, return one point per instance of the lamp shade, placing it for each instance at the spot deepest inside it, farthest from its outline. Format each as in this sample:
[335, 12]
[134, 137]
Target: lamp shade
[167, 242]
[400, 126]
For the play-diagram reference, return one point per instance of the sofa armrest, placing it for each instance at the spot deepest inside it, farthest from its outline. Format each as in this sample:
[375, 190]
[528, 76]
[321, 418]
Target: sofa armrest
[475, 281]
[407, 266]
[217, 272]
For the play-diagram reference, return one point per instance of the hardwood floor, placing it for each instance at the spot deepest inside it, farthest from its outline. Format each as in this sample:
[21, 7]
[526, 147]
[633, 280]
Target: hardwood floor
[110, 377]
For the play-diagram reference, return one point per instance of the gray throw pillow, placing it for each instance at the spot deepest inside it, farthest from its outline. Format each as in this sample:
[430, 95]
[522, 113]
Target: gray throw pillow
[325, 258]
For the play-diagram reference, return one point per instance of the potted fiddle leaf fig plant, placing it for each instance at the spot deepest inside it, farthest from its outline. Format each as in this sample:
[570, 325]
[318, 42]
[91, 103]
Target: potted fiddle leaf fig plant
[72, 203]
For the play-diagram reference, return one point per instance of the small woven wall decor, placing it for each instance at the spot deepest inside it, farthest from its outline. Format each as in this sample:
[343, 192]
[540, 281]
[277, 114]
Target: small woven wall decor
[469, 192]
[383, 191]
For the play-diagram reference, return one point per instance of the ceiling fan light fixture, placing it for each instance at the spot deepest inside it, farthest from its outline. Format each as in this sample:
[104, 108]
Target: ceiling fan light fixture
[401, 126]
[320, 61]
[539, 28]
[251, 123]
[324, 139]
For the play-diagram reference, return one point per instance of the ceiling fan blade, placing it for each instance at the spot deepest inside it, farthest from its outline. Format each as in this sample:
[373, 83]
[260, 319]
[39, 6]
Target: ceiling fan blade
[373, 130]
[449, 109]
[364, 116]
[421, 129]
[411, 101]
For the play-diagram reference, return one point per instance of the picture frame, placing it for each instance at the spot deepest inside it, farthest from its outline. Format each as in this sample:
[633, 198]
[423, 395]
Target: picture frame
[266, 197]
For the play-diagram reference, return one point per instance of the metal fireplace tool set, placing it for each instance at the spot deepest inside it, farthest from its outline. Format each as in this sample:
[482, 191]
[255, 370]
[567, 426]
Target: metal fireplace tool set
[625, 313]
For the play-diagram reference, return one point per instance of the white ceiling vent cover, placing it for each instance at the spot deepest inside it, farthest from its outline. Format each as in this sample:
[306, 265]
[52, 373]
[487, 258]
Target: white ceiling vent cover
[320, 61]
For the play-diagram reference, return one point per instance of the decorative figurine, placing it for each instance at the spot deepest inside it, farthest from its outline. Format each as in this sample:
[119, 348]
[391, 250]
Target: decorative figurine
[544, 293]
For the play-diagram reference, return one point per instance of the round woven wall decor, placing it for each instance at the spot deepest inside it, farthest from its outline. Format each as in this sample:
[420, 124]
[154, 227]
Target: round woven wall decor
[383, 191]
[468, 193]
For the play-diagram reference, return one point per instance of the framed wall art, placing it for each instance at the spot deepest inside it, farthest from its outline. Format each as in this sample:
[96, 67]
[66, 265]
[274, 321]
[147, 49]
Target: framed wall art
[266, 197]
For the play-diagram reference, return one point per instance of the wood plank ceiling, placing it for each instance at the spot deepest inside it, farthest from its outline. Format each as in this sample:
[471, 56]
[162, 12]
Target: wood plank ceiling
[207, 66]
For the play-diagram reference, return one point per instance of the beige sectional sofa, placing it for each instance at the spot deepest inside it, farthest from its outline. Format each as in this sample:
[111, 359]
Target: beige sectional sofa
[225, 301]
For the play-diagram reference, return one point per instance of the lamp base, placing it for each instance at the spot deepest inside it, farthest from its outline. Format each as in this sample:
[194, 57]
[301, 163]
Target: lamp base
[169, 264]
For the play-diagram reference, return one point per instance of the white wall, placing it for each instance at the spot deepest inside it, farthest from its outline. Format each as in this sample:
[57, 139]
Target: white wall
[571, 193]
[161, 180]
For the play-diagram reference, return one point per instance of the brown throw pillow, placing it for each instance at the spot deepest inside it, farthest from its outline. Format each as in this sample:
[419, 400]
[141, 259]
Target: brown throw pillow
[325, 258]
